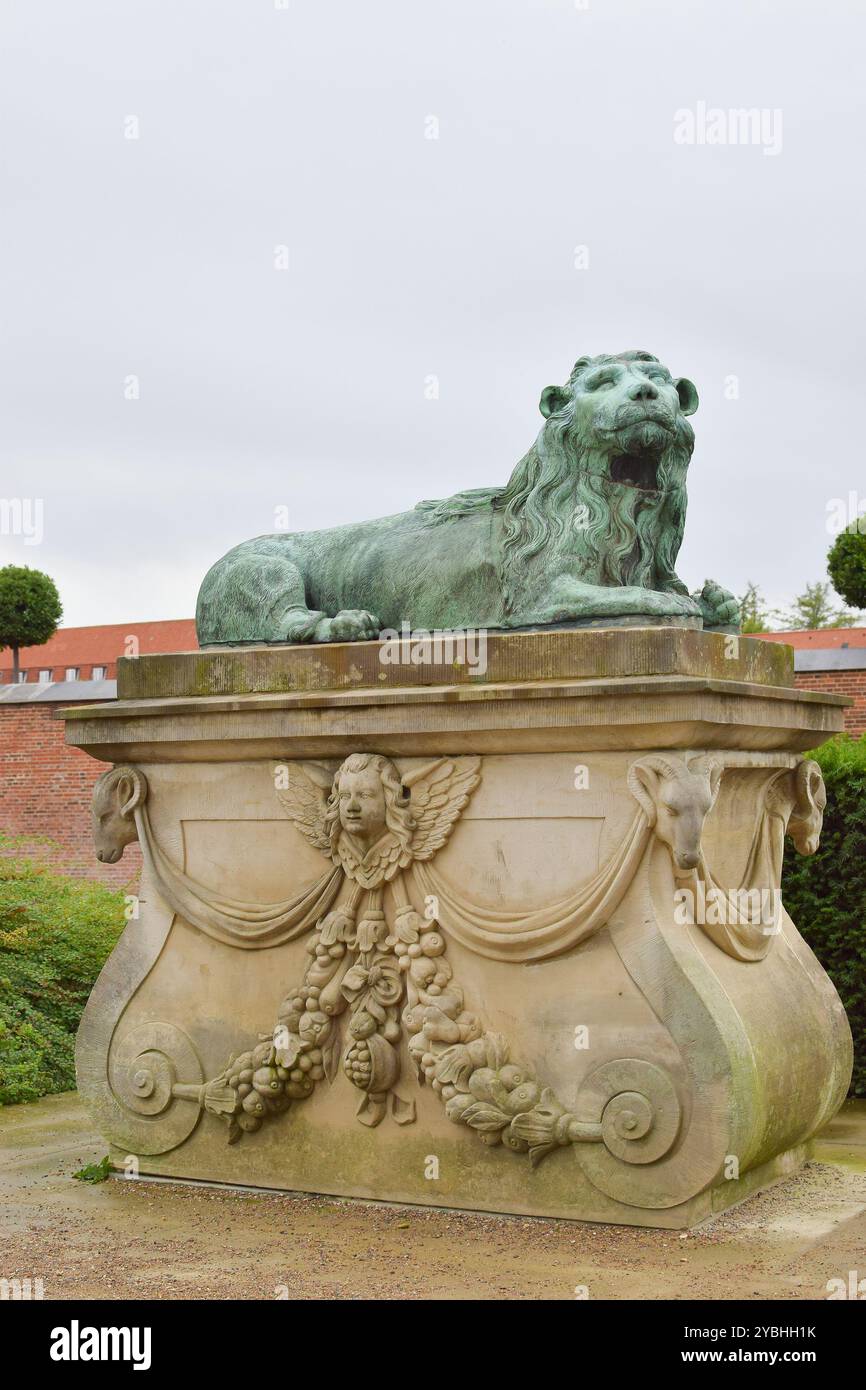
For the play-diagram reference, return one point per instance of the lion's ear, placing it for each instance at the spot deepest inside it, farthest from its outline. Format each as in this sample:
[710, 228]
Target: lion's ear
[553, 398]
[688, 394]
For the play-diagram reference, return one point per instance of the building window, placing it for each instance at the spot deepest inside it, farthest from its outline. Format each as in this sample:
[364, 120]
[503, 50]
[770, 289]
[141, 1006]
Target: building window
[72, 673]
[98, 673]
[22, 677]
[44, 677]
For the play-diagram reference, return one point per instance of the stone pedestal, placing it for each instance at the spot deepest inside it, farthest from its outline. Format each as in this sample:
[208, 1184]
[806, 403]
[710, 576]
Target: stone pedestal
[525, 956]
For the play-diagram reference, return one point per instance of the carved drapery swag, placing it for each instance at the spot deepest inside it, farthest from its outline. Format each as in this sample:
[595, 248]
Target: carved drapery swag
[551, 930]
[792, 802]
[120, 815]
[247, 925]
[374, 955]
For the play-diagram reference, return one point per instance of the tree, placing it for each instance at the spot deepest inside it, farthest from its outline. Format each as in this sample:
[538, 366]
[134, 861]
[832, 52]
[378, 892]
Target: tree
[846, 565]
[754, 617]
[815, 608]
[30, 609]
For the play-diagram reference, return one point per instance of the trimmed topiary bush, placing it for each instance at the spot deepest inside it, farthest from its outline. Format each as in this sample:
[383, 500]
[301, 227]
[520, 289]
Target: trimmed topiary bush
[826, 893]
[846, 565]
[55, 935]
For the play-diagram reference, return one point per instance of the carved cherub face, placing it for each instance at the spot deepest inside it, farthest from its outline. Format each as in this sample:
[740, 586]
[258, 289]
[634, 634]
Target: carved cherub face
[362, 804]
[367, 798]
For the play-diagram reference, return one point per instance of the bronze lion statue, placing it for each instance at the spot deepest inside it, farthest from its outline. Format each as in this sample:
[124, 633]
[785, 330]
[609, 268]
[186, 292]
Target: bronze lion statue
[586, 531]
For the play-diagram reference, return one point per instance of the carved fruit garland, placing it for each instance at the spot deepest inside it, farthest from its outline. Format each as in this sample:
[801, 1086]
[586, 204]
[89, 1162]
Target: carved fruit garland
[468, 1068]
[372, 969]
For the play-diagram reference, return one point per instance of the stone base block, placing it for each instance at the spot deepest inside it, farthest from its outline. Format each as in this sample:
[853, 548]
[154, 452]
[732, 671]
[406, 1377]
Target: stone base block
[509, 943]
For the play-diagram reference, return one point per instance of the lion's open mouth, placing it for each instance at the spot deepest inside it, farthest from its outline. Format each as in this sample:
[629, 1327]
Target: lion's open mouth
[636, 470]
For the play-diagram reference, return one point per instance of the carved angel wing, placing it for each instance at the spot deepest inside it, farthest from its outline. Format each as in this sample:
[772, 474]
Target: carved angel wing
[303, 790]
[439, 794]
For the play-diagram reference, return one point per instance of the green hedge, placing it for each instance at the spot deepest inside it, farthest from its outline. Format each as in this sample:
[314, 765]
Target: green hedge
[55, 934]
[826, 892]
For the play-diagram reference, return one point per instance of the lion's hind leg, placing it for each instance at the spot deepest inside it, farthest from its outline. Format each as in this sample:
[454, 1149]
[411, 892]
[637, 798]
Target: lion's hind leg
[257, 593]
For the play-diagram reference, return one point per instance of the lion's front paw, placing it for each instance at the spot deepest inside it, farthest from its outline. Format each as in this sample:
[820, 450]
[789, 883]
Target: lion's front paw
[350, 625]
[718, 607]
[671, 604]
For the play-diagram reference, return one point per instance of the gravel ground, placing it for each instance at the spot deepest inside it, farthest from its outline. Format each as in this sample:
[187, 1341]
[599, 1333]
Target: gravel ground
[126, 1239]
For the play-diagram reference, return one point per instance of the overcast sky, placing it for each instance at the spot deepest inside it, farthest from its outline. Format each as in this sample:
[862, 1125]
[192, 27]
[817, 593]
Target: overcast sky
[306, 125]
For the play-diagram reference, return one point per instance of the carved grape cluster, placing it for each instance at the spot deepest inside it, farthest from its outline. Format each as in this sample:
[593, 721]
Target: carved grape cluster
[286, 1066]
[252, 1087]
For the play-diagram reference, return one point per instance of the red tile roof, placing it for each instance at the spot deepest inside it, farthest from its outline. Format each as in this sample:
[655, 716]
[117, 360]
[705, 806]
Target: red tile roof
[82, 646]
[820, 638]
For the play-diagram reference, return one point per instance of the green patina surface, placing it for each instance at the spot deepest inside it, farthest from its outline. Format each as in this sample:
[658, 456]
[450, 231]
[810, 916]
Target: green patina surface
[586, 530]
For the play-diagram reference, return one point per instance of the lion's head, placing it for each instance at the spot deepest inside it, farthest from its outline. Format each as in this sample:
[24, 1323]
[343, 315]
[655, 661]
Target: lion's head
[607, 473]
[605, 480]
[624, 412]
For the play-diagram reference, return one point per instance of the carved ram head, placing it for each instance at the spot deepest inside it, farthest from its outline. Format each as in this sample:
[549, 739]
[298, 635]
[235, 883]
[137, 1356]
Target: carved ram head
[810, 799]
[677, 799]
[115, 797]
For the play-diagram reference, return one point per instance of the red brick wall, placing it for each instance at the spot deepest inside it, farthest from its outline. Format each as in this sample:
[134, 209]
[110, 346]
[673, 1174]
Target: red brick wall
[45, 791]
[852, 684]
